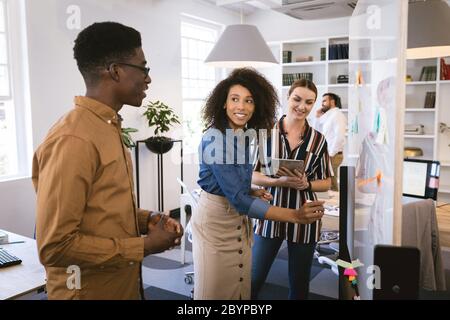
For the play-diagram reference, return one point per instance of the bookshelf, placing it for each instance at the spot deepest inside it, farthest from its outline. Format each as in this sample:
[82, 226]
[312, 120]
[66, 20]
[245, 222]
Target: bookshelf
[435, 145]
[420, 83]
[323, 59]
[428, 90]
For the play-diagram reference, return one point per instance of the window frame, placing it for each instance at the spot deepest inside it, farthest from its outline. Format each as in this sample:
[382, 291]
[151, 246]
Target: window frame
[19, 114]
[202, 23]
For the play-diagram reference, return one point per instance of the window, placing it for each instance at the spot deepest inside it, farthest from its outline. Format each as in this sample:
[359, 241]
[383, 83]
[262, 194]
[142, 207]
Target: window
[7, 128]
[14, 117]
[197, 40]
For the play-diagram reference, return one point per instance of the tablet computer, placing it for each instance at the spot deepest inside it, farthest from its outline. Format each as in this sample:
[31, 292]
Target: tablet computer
[288, 164]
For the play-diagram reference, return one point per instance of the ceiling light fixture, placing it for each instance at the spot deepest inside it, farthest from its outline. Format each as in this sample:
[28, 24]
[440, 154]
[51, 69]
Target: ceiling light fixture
[241, 45]
[428, 29]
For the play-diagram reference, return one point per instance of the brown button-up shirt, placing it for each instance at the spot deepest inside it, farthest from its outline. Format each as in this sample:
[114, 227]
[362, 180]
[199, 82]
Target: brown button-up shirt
[86, 214]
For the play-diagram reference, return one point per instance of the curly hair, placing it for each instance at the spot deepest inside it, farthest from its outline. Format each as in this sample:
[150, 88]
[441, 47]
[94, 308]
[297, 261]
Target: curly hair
[102, 43]
[262, 91]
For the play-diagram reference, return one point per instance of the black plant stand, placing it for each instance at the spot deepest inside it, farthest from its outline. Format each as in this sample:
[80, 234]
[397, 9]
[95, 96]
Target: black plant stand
[160, 174]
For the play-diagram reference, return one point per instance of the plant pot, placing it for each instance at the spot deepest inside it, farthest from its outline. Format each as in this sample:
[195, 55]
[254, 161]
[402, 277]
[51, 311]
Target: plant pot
[159, 144]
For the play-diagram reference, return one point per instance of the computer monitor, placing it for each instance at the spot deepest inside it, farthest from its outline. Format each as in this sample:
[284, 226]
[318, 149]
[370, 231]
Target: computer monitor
[347, 291]
[421, 178]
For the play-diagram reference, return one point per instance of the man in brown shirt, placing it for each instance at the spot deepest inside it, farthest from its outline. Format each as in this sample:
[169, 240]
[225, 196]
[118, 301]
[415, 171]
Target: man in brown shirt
[88, 228]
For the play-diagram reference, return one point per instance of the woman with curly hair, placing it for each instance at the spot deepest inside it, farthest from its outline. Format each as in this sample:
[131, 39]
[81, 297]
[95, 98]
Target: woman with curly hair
[221, 227]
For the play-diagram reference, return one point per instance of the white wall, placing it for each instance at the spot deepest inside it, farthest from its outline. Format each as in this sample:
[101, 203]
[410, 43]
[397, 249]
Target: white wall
[54, 78]
[17, 200]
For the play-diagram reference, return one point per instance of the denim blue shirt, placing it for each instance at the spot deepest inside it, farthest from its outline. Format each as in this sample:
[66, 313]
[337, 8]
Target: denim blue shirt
[226, 170]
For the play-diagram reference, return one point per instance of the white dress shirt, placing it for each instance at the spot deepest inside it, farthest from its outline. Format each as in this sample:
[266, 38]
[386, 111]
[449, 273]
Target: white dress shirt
[333, 125]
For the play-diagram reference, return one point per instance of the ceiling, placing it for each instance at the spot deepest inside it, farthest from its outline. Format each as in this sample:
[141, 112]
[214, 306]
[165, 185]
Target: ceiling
[337, 8]
[300, 9]
[237, 6]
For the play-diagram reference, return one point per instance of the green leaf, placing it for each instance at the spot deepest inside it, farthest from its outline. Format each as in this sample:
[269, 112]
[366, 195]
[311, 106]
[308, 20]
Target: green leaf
[126, 137]
[160, 115]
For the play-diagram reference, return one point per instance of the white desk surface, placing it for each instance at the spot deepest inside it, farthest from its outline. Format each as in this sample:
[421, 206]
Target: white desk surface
[26, 277]
[331, 222]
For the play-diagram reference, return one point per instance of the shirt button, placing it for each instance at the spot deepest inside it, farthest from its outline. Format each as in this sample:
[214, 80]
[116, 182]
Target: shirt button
[239, 239]
[241, 265]
[131, 263]
[239, 227]
[241, 279]
[240, 251]
[109, 121]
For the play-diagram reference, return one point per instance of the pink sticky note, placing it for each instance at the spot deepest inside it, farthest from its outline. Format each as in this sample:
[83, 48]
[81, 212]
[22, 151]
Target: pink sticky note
[350, 272]
[434, 183]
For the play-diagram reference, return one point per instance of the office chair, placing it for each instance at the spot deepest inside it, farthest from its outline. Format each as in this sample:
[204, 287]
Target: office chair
[331, 239]
[190, 199]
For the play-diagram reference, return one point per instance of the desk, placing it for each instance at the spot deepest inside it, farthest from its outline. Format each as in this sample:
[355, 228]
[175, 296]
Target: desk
[331, 221]
[26, 278]
[419, 229]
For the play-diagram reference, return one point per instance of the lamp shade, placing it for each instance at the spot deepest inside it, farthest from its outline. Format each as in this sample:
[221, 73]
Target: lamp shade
[241, 45]
[428, 29]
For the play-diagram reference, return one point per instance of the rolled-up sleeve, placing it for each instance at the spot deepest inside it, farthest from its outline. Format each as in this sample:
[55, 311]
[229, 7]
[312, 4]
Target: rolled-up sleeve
[228, 177]
[63, 184]
[143, 219]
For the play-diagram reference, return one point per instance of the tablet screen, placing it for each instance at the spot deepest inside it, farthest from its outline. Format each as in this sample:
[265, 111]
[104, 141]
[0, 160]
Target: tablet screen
[288, 164]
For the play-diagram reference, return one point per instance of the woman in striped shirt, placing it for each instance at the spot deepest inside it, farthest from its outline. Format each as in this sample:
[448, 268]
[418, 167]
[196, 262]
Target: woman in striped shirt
[295, 140]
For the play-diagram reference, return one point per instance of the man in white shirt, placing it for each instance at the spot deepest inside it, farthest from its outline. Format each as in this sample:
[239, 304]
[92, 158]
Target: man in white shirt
[332, 123]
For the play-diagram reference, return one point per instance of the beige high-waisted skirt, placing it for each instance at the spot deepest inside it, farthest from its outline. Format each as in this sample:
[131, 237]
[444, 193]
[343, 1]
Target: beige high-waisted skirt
[221, 244]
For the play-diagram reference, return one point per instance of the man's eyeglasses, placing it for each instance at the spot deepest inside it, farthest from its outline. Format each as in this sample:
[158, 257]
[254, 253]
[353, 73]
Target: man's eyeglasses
[145, 70]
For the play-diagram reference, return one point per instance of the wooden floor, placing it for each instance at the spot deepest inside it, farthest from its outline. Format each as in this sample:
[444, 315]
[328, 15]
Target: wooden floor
[443, 217]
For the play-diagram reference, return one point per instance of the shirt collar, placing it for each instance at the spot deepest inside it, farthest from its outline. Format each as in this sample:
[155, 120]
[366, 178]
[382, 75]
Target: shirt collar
[103, 111]
[283, 131]
[331, 111]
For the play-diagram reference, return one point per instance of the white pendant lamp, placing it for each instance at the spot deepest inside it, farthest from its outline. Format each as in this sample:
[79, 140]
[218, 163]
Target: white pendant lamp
[241, 45]
[428, 29]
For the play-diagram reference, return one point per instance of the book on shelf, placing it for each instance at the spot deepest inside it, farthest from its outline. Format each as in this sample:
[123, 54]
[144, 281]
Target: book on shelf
[323, 54]
[445, 70]
[430, 99]
[289, 78]
[287, 56]
[428, 73]
[338, 51]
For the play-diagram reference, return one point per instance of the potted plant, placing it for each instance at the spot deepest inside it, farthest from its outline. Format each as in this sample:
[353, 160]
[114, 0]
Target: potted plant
[160, 116]
[126, 137]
